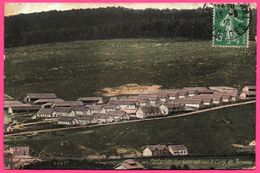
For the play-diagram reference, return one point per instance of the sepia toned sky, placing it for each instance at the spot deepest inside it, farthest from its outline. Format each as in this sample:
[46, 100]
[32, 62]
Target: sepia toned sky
[18, 8]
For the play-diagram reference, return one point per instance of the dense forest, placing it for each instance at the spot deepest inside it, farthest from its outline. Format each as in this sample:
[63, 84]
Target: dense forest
[110, 23]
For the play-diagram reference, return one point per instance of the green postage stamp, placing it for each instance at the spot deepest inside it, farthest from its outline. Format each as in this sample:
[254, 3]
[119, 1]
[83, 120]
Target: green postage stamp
[231, 25]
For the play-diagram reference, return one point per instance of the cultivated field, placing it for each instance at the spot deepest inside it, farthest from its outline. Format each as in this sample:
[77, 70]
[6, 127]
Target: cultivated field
[82, 68]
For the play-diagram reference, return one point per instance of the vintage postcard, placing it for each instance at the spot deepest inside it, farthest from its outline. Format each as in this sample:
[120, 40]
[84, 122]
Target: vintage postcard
[129, 86]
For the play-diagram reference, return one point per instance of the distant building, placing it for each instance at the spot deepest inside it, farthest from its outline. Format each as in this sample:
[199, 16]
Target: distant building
[155, 150]
[223, 89]
[143, 102]
[44, 101]
[248, 88]
[152, 98]
[247, 95]
[18, 151]
[46, 113]
[147, 111]
[65, 120]
[173, 95]
[164, 109]
[23, 108]
[10, 103]
[96, 109]
[248, 91]
[67, 104]
[170, 107]
[227, 98]
[119, 115]
[163, 97]
[31, 97]
[252, 143]
[252, 146]
[139, 99]
[208, 101]
[189, 102]
[81, 110]
[199, 90]
[124, 104]
[64, 111]
[234, 95]
[131, 112]
[86, 120]
[111, 108]
[129, 164]
[206, 91]
[178, 150]
[103, 118]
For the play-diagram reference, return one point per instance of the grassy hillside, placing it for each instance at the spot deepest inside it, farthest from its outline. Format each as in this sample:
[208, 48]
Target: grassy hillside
[81, 68]
[208, 133]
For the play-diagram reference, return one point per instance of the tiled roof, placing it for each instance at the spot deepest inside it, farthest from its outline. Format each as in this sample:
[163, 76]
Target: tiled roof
[189, 101]
[157, 147]
[178, 147]
[25, 107]
[48, 101]
[46, 111]
[107, 106]
[63, 109]
[68, 103]
[94, 107]
[79, 108]
[12, 103]
[214, 97]
[131, 164]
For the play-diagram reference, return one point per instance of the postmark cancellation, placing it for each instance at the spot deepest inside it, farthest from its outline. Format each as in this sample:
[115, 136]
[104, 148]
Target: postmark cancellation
[231, 25]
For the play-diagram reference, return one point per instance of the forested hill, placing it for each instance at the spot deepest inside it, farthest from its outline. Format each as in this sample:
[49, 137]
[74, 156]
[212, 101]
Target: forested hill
[110, 23]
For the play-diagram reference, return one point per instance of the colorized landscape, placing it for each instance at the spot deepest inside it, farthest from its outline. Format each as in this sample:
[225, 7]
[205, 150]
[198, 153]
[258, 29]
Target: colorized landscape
[75, 69]
[70, 70]
[143, 89]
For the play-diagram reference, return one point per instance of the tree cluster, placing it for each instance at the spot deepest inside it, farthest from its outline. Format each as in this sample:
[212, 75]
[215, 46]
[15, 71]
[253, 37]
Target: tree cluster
[110, 23]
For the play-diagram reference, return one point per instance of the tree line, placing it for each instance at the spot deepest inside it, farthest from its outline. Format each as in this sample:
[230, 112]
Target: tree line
[110, 23]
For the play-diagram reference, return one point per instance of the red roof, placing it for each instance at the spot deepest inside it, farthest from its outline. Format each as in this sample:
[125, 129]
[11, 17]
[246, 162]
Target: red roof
[130, 164]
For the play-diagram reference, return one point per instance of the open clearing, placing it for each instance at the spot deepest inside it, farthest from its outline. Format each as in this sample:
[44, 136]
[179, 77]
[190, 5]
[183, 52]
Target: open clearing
[81, 68]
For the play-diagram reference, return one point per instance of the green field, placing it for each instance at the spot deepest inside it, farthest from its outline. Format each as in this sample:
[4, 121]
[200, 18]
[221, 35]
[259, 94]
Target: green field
[209, 133]
[82, 68]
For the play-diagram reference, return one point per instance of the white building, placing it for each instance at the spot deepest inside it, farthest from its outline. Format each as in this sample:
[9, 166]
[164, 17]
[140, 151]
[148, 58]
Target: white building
[178, 150]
